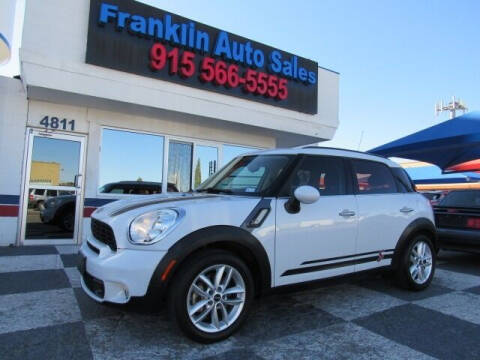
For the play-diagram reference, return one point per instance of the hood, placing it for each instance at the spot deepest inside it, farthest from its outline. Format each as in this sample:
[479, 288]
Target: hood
[200, 211]
[121, 206]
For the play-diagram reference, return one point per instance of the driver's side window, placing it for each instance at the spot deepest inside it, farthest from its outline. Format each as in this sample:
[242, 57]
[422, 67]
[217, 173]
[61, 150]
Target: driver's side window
[327, 174]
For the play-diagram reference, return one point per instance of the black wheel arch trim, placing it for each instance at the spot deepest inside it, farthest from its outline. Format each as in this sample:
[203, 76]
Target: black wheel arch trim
[420, 225]
[218, 236]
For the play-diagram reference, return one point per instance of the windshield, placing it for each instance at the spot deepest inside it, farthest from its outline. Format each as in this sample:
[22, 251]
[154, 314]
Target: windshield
[247, 175]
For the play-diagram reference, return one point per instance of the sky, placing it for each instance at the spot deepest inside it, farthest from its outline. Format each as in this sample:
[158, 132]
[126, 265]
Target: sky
[396, 59]
[64, 152]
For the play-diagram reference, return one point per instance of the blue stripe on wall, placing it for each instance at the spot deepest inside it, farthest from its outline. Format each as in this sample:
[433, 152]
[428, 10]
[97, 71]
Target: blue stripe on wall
[9, 199]
[95, 202]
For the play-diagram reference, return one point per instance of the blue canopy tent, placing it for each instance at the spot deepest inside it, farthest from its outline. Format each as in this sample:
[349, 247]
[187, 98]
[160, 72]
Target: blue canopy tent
[449, 143]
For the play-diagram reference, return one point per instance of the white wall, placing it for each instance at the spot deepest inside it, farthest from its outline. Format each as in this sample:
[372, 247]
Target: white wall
[53, 57]
[13, 116]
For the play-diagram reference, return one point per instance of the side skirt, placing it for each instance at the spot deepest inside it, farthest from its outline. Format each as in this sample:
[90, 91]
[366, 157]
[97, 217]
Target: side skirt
[326, 282]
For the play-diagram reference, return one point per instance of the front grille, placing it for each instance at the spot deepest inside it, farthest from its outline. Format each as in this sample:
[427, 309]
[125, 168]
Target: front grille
[103, 233]
[94, 285]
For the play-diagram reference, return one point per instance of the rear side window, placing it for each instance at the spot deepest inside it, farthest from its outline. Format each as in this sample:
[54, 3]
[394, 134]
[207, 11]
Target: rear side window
[404, 183]
[373, 178]
[466, 199]
[327, 174]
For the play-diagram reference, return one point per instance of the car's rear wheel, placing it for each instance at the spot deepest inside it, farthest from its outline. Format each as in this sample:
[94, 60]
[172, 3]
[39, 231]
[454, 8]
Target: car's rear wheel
[67, 220]
[417, 264]
[211, 295]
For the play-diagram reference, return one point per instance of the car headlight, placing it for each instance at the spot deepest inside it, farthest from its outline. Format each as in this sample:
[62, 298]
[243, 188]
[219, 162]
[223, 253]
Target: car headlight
[153, 226]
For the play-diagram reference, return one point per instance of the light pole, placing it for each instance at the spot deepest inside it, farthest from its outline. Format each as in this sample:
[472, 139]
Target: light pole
[452, 107]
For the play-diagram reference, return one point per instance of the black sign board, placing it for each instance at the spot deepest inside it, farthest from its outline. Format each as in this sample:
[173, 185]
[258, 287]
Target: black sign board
[136, 38]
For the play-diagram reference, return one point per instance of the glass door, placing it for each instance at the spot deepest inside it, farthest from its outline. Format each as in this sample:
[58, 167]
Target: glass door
[205, 163]
[180, 166]
[52, 188]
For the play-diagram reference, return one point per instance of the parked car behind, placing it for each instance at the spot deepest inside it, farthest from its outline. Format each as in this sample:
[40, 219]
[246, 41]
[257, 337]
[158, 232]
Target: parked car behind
[435, 196]
[60, 210]
[457, 218]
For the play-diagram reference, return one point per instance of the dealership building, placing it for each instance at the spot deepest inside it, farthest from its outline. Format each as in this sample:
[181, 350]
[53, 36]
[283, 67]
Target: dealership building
[116, 98]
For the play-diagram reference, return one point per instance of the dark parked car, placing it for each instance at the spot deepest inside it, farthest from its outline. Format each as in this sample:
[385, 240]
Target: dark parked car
[136, 188]
[457, 218]
[434, 196]
[60, 210]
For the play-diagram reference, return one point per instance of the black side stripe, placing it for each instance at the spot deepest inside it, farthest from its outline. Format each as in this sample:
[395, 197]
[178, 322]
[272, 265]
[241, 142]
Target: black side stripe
[334, 265]
[346, 257]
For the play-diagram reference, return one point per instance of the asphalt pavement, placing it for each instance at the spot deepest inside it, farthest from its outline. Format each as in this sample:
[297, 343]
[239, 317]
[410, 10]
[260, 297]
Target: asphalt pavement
[45, 315]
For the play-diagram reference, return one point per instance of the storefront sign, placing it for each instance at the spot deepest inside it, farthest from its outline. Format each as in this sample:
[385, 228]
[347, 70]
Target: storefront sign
[129, 36]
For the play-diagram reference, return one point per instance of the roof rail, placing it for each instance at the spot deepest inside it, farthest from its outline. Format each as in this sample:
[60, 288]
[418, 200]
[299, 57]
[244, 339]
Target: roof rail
[334, 148]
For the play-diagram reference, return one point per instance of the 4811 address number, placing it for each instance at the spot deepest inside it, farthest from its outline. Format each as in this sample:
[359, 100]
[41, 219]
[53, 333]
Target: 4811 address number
[56, 123]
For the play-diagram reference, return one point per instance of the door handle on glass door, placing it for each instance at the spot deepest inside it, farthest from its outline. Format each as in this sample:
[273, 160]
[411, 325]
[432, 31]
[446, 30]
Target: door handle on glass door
[78, 180]
[406, 210]
[347, 213]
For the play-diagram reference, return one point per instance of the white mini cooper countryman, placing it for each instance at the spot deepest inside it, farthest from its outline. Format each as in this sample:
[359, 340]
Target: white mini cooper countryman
[265, 220]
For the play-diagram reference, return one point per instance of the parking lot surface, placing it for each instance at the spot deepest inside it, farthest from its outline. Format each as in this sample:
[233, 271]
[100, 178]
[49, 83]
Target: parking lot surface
[45, 315]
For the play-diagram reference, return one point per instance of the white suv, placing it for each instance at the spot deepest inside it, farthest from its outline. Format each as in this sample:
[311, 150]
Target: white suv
[266, 219]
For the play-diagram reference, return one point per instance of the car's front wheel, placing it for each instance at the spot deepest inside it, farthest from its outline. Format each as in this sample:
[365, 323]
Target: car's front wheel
[417, 265]
[211, 295]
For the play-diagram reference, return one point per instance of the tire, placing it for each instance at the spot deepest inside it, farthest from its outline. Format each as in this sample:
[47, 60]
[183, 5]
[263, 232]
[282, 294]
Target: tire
[67, 221]
[416, 272]
[182, 297]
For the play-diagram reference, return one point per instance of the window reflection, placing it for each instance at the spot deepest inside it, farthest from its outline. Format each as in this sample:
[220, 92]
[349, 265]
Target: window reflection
[205, 163]
[230, 152]
[54, 162]
[131, 158]
[180, 165]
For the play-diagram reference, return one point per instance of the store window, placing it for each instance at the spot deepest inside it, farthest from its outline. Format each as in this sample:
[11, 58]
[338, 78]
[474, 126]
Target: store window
[230, 152]
[205, 163]
[373, 178]
[130, 161]
[180, 165]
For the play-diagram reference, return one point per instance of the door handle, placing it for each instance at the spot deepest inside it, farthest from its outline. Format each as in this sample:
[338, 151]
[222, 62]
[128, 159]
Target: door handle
[347, 213]
[406, 210]
[78, 178]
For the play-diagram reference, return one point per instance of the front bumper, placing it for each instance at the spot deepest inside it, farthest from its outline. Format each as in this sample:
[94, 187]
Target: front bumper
[47, 215]
[459, 236]
[116, 276]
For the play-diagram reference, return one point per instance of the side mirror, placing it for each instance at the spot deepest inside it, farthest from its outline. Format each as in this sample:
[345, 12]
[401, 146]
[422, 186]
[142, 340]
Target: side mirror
[303, 194]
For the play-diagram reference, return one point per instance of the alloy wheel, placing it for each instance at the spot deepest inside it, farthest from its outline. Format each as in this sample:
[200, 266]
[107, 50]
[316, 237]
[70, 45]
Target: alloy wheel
[420, 265]
[216, 298]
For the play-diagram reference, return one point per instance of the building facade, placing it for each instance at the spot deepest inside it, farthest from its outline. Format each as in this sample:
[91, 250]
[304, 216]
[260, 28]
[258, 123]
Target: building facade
[116, 98]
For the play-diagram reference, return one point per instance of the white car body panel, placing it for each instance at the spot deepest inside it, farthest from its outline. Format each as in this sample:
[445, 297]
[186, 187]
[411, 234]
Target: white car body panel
[316, 232]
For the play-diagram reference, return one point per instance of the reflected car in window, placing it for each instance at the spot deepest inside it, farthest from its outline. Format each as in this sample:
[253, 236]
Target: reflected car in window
[136, 188]
[38, 196]
[60, 210]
